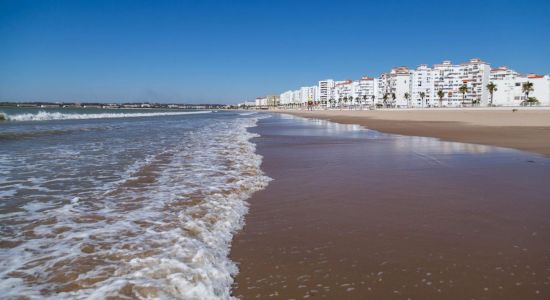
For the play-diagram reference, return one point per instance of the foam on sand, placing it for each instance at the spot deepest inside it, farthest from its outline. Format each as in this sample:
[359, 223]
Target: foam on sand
[162, 233]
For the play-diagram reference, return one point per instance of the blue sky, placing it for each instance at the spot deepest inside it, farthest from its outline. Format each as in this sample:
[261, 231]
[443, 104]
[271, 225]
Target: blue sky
[225, 52]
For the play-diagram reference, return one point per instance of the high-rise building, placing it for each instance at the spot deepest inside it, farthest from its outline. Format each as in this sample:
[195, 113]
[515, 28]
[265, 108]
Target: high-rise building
[286, 98]
[296, 98]
[423, 84]
[365, 89]
[308, 94]
[394, 85]
[325, 90]
[343, 91]
[447, 79]
[475, 74]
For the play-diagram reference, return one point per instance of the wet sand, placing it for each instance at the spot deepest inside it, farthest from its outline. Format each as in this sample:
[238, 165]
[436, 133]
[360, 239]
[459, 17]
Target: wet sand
[524, 129]
[355, 214]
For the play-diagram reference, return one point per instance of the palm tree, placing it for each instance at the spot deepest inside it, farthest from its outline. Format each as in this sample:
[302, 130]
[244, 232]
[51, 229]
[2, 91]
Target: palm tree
[527, 87]
[357, 100]
[407, 97]
[393, 96]
[463, 89]
[340, 102]
[530, 101]
[385, 98]
[422, 95]
[364, 101]
[440, 94]
[373, 98]
[492, 88]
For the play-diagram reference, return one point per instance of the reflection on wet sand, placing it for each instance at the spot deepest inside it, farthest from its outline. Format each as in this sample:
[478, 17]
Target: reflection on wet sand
[354, 214]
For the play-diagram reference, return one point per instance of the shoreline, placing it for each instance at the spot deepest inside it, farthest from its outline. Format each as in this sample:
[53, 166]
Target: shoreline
[355, 213]
[526, 130]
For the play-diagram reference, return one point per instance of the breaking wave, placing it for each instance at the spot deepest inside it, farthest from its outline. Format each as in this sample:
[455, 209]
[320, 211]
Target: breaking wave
[45, 116]
[163, 232]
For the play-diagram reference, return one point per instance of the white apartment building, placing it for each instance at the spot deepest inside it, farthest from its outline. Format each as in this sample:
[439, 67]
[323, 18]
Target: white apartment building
[286, 98]
[423, 81]
[308, 93]
[508, 87]
[356, 91]
[502, 72]
[447, 79]
[475, 74]
[343, 91]
[296, 97]
[261, 101]
[325, 90]
[314, 93]
[510, 92]
[396, 84]
[541, 86]
[365, 89]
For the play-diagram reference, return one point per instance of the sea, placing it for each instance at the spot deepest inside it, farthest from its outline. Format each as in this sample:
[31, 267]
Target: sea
[114, 203]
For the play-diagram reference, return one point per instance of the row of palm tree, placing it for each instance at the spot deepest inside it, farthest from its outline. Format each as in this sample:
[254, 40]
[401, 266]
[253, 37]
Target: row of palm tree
[422, 95]
[343, 101]
[526, 88]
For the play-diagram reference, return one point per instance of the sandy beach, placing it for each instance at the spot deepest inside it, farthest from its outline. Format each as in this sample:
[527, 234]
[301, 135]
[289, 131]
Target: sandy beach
[524, 129]
[358, 214]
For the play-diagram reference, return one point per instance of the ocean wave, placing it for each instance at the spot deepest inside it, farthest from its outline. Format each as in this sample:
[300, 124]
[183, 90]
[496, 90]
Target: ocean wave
[28, 134]
[46, 116]
[163, 233]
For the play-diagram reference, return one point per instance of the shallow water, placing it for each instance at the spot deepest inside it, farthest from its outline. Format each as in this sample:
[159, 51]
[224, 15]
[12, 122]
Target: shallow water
[96, 204]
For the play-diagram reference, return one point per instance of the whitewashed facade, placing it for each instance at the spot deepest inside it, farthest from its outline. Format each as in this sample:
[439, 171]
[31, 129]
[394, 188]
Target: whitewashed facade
[307, 94]
[261, 101]
[366, 89]
[325, 90]
[445, 77]
[510, 92]
[475, 74]
[394, 85]
[286, 98]
[423, 81]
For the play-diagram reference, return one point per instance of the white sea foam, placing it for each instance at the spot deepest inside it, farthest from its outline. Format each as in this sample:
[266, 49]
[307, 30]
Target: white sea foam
[45, 116]
[161, 239]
